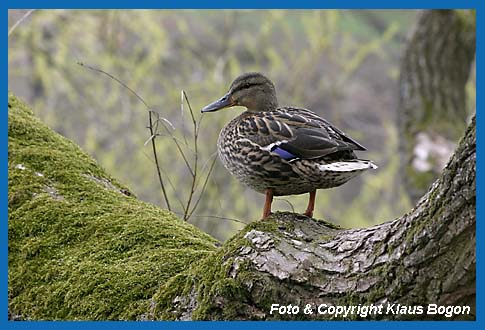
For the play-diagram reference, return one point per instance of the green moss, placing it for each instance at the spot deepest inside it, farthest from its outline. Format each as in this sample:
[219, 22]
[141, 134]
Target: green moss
[80, 245]
[467, 19]
[329, 224]
[209, 279]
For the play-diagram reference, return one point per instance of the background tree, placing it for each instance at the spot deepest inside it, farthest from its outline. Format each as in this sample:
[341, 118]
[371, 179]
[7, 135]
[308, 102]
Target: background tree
[433, 103]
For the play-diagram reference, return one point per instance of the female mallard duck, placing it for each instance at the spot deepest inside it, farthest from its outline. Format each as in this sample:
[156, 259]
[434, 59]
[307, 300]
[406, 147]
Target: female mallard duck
[282, 151]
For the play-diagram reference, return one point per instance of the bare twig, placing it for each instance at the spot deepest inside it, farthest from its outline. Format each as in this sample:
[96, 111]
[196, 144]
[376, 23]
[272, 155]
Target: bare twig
[182, 145]
[203, 187]
[175, 140]
[157, 163]
[287, 202]
[170, 183]
[21, 19]
[182, 93]
[115, 79]
[187, 213]
[171, 136]
[218, 217]
[150, 126]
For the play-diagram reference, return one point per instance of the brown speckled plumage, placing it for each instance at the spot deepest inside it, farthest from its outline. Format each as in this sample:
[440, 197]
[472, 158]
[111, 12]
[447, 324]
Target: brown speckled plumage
[282, 151]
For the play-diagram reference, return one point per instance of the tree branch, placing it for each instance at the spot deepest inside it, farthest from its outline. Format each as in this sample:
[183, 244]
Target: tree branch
[424, 257]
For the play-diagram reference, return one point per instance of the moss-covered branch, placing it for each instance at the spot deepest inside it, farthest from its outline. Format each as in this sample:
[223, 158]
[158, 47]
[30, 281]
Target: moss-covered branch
[425, 257]
[81, 246]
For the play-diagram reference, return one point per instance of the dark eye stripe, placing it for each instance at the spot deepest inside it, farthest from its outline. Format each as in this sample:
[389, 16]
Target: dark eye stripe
[245, 86]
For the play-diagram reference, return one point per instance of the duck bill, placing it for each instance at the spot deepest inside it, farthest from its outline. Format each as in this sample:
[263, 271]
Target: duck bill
[222, 103]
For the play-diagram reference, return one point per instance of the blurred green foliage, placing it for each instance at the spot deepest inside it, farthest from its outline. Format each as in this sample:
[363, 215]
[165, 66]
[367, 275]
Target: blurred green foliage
[341, 64]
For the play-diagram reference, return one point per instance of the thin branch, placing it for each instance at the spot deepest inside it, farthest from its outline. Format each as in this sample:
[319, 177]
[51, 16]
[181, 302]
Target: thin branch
[222, 218]
[159, 172]
[164, 120]
[182, 115]
[212, 160]
[170, 183]
[203, 188]
[175, 140]
[288, 202]
[21, 19]
[172, 137]
[117, 80]
[150, 127]
[155, 120]
[187, 213]
[190, 108]
[214, 154]
[150, 139]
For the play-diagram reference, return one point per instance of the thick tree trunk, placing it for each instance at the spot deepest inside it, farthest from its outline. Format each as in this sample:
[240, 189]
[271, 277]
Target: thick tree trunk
[432, 106]
[408, 265]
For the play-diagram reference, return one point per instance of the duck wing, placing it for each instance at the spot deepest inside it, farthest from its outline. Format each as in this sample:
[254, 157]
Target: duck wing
[296, 133]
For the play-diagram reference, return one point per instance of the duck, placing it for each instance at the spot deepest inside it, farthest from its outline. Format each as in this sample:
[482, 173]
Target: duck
[280, 151]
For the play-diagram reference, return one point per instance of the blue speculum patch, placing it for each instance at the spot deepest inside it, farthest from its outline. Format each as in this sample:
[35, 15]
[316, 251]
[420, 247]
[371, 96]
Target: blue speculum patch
[283, 153]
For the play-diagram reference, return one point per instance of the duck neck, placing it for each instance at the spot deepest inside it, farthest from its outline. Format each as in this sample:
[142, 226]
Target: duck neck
[263, 105]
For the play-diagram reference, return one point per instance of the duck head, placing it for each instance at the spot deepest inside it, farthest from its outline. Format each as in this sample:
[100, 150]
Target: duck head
[251, 90]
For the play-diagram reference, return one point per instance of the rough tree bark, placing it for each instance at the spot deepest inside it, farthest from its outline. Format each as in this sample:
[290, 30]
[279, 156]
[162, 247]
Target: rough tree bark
[425, 257]
[432, 111]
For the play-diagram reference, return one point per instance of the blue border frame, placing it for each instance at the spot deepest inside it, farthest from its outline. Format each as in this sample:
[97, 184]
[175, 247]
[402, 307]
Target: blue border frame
[253, 4]
[247, 4]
